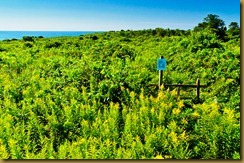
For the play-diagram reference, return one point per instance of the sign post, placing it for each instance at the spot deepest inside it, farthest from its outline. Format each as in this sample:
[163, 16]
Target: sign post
[161, 66]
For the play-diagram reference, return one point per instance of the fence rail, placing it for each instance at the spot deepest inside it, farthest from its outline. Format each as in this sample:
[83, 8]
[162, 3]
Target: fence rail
[179, 85]
[183, 85]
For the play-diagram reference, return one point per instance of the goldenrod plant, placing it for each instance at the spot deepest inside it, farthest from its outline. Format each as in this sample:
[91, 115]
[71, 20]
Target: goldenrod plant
[90, 97]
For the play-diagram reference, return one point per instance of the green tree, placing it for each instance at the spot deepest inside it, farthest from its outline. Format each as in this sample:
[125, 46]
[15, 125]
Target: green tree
[234, 30]
[214, 23]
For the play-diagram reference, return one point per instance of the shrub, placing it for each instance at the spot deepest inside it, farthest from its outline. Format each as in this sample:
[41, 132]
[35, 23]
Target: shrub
[28, 38]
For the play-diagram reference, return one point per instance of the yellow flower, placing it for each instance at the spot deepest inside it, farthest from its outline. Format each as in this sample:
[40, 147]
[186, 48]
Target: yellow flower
[167, 156]
[170, 105]
[143, 110]
[132, 95]
[184, 121]
[12, 142]
[160, 95]
[137, 101]
[176, 111]
[180, 104]
[195, 114]
[172, 125]
[162, 87]
[183, 135]
[122, 88]
[229, 113]
[116, 106]
[214, 106]
[158, 157]
[174, 137]
[155, 100]
[3, 152]
[79, 142]
[174, 92]
[141, 96]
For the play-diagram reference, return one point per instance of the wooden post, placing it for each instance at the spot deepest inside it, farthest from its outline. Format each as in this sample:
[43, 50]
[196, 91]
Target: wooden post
[178, 90]
[198, 89]
[160, 76]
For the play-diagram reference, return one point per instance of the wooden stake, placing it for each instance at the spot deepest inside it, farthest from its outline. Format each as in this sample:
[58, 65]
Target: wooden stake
[198, 89]
[178, 90]
[160, 76]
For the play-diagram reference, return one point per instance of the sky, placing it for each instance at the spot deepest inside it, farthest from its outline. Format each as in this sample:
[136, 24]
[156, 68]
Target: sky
[106, 15]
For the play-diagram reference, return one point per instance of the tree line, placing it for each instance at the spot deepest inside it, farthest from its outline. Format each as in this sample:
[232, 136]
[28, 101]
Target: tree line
[212, 23]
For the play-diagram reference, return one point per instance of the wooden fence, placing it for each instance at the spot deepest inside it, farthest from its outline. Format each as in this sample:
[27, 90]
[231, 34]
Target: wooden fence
[162, 67]
[179, 85]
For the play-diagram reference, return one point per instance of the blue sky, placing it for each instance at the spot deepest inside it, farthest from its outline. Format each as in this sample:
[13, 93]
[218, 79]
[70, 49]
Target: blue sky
[103, 15]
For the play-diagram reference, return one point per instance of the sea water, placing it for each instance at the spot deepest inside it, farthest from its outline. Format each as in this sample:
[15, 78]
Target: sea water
[47, 34]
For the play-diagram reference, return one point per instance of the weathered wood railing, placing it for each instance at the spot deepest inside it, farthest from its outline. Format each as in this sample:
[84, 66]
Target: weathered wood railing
[161, 66]
[179, 85]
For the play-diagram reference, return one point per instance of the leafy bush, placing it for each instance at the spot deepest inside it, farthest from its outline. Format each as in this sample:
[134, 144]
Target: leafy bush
[28, 44]
[53, 44]
[82, 98]
[28, 38]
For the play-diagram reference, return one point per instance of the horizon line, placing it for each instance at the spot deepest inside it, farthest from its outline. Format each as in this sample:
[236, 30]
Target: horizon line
[19, 30]
[53, 30]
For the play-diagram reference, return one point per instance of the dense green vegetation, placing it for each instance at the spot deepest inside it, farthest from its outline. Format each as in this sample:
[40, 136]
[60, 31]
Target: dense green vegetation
[89, 96]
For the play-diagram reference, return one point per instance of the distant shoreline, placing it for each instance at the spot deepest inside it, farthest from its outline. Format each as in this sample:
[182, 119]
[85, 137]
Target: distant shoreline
[4, 35]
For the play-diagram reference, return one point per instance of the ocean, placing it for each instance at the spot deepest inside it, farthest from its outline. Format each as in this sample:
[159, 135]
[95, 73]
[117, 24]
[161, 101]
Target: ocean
[46, 34]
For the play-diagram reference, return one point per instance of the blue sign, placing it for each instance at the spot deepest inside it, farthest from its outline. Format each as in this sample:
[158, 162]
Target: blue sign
[161, 64]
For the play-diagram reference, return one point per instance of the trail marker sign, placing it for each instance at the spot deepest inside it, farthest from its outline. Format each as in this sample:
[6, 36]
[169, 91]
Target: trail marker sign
[161, 64]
